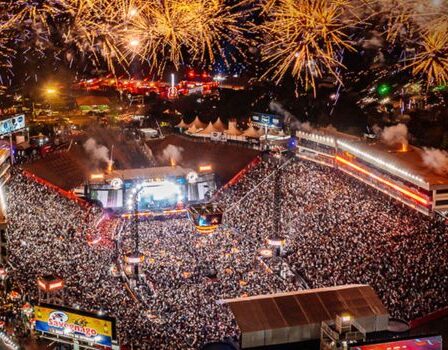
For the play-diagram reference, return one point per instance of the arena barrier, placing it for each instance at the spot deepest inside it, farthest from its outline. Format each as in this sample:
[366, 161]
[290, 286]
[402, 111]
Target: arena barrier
[428, 318]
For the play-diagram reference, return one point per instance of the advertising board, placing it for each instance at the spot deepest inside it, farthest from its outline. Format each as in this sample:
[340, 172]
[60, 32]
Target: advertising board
[13, 124]
[424, 343]
[75, 324]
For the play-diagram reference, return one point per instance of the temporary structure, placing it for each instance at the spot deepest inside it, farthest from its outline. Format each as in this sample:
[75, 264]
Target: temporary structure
[219, 125]
[182, 125]
[198, 124]
[208, 130]
[252, 132]
[233, 130]
[192, 129]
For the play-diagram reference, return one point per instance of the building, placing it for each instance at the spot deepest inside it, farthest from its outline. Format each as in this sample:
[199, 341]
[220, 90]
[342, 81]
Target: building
[294, 317]
[398, 171]
[94, 104]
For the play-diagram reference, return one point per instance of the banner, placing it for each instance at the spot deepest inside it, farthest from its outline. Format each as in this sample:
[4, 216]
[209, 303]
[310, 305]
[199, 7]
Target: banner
[11, 125]
[75, 324]
[424, 343]
[270, 121]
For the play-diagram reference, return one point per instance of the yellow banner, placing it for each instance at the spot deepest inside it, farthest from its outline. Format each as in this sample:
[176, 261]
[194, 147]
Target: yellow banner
[71, 324]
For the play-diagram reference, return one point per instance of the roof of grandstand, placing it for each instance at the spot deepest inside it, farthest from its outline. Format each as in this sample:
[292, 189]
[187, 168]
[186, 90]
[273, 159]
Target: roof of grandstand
[411, 160]
[304, 307]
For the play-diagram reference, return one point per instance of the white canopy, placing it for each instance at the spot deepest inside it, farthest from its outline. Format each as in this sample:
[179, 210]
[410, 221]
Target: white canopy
[192, 129]
[233, 130]
[252, 132]
[208, 130]
[219, 125]
[198, 124]
[182, 125]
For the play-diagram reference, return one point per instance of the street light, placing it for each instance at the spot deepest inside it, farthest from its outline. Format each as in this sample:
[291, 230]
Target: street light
[51, 91]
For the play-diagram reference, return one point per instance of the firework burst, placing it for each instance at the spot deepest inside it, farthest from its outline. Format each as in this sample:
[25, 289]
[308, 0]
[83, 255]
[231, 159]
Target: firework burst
[432, 60]
[408, 19]
[94, 28]
[172, 29]
[306, 38]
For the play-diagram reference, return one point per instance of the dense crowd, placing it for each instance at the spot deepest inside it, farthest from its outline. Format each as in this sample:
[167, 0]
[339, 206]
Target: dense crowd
[337, 230]
[175, 306]
[340, 231]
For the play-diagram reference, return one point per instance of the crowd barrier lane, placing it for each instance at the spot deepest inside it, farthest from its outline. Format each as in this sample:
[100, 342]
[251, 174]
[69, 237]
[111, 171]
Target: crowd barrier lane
[66, 194]
[428, 318]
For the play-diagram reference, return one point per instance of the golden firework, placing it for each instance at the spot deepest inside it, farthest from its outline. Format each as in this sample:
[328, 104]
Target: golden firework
[432, 60]
[306, 38]
[408, 19]
[170, 30]
[96, 25]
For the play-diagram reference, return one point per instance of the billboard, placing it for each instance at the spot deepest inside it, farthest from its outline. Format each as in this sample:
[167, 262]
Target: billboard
[425, 343]
[267, 120]
[75, 324]
[13, 124]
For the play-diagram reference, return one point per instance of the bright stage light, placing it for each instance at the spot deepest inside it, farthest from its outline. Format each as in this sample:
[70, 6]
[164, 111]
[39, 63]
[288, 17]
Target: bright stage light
[162, 190]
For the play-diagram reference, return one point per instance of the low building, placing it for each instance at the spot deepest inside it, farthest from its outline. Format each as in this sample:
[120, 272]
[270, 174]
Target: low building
[93, 104]
[294, 317]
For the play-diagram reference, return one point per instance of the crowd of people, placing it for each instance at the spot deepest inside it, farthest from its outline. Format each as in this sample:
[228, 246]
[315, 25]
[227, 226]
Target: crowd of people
[340, 231]
[337, 231]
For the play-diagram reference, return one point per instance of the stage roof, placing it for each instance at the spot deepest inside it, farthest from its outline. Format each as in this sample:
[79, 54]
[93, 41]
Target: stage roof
[300, 308]
[145, 173]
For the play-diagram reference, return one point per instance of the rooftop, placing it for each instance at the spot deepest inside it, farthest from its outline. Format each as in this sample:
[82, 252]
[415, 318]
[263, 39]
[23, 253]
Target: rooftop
[304, 307]
[144, 173]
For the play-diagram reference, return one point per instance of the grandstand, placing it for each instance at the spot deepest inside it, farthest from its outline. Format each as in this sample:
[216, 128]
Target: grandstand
[398, 171]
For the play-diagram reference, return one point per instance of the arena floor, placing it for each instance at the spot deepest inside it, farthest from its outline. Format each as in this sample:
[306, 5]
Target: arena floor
[69, 170]
[226, 160]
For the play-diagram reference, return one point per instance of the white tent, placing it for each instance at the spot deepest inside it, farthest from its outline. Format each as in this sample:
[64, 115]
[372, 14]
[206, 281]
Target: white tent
[198, 124]
[208, 130]
[182, 125]
[192, 129]
[252, 132]
[219, 125]
[233, 130]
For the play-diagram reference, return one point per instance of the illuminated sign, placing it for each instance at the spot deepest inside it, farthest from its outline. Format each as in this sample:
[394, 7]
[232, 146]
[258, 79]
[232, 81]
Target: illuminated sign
[425, 343]
[97, 176]
[11, 125]
[50, 285]
[203, 168]
[75, 324]
[267, 120]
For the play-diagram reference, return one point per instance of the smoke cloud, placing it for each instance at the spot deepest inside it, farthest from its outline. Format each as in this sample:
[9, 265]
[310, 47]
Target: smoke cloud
[394, 135]
[97, 153]
[172, 154]
[436, 160]
[289, 118]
